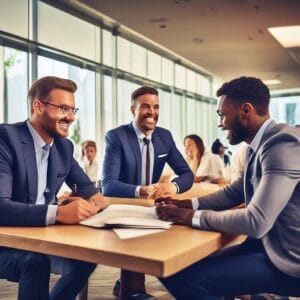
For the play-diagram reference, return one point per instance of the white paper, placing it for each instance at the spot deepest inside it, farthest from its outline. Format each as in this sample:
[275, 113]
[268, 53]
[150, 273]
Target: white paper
[125, 215]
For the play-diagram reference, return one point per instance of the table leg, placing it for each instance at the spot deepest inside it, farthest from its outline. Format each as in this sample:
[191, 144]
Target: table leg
[131, 282]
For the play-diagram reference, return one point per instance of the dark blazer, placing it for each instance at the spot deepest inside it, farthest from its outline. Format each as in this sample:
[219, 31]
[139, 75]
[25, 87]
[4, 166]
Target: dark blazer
[18, 176]
[122, 161]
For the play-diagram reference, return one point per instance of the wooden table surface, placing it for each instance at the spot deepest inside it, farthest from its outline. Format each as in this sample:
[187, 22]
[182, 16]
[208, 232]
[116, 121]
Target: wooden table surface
[159, 254]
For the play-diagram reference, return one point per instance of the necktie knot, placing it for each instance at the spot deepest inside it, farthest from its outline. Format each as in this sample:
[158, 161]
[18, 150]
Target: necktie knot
[146, 141]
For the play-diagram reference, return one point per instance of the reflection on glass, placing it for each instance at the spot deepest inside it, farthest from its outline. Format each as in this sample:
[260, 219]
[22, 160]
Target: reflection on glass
[108, 103]
[165, 112]
[15, 85]
[286, 110]
[125, 89]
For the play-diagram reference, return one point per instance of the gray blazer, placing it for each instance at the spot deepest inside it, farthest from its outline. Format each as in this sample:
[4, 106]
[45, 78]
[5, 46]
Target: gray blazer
[271, 192]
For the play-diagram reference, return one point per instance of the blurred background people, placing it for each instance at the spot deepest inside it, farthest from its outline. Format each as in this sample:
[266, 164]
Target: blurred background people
[204, 165]
[219, 149]
[89, 160]
[238, 161]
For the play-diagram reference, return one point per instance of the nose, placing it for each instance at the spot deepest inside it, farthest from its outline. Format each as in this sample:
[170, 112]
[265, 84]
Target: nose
[70, 117]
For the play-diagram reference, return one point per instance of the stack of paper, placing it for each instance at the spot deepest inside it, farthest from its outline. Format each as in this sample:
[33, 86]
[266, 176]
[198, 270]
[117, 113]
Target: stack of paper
[143, 219]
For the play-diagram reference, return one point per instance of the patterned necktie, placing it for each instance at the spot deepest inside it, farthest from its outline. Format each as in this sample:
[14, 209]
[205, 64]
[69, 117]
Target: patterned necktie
[46, 149]
[147, 142]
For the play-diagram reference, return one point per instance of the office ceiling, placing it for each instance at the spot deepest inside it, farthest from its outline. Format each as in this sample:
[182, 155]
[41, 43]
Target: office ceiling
[229, 38]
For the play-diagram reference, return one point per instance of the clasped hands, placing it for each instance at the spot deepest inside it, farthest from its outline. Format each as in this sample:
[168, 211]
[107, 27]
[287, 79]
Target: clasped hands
[158, 190]
[177, 211]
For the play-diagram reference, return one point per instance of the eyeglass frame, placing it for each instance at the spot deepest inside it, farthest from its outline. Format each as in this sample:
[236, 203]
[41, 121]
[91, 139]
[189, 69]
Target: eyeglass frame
[65, 109]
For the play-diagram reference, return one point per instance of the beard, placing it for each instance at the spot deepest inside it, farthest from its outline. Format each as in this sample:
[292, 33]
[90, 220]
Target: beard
[237, 133]
[50, 126]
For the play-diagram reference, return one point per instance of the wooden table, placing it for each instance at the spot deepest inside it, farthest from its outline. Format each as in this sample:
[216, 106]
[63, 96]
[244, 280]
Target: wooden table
[160, 254]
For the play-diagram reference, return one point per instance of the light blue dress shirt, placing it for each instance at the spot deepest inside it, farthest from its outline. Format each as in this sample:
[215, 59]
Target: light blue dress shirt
[42, 151]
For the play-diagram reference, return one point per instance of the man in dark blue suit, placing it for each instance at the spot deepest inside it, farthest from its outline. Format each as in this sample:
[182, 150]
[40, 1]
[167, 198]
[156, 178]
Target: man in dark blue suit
[35, 159]
[125, 171]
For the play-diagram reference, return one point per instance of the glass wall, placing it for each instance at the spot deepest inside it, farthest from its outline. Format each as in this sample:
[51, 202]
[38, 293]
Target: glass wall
[106, 67]
[15, 85]
[286, 109]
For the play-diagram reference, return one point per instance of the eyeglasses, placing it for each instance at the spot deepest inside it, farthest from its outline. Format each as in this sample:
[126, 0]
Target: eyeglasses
[65, 109]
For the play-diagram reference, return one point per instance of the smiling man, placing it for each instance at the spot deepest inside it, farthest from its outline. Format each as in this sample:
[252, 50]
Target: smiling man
[269, 260]
[135, 156]
[35, 160]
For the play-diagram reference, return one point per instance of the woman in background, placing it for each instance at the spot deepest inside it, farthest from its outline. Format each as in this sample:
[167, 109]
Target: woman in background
[89, 160]
[219, 149]
[205, 165]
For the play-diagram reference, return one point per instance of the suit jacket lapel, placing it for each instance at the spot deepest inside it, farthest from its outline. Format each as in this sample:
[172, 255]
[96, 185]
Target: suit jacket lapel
[136, 150]
[54, 163]
[270, 130]
[29, 160]
[156, 148]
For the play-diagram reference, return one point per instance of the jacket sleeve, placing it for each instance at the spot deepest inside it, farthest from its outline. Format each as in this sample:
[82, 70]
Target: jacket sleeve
[274, 193]
[112, 164]
[79, 182]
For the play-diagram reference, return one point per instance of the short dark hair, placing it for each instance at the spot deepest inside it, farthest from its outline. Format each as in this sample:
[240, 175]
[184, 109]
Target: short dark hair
[215, 147]
[247, 89]
[41, 88]
[142, 91]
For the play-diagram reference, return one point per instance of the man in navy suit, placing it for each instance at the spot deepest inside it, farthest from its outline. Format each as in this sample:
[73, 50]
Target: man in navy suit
[123, 173]
[125, 162]
[269, 260]
[35, 159]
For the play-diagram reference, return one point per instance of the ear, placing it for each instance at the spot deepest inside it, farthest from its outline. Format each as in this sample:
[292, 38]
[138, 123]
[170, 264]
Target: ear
[132, 108]
[247, 109]
[37, 107]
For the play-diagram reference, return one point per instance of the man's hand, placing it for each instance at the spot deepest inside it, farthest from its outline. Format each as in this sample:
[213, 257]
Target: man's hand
[97, 201]
[187, 203]
[181, 216]
[162, 190]
[75, 210]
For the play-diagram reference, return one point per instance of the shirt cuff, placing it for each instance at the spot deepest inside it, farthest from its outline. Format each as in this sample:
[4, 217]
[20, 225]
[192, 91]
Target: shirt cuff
[196, 219]
[195, 203]
[137, 191]
[177, 187]
[51, 214]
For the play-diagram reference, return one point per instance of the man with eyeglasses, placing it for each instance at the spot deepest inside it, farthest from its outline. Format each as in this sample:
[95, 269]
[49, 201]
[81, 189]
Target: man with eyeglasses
[35, 159]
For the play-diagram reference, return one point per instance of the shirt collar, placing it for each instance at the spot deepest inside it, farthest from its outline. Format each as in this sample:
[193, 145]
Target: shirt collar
[257, 138]
[140, 134]
[37, 139]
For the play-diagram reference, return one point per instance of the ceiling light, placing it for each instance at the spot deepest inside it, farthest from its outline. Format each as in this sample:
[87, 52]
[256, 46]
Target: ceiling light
[288, 36]
[272, 81]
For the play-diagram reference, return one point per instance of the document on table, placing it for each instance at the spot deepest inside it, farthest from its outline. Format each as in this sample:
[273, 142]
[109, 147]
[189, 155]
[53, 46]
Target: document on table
[126, 215]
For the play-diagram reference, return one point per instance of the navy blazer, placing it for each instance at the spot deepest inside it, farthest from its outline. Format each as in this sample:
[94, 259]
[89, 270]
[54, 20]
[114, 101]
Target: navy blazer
[18, 176]
[122, 161]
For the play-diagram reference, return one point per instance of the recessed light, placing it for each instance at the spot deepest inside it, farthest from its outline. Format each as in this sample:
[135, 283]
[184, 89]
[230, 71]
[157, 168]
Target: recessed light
[287, 36]
[272, 81]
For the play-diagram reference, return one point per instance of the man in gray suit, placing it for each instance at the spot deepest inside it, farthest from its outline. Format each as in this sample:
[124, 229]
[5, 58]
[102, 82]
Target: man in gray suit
[269, 260]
